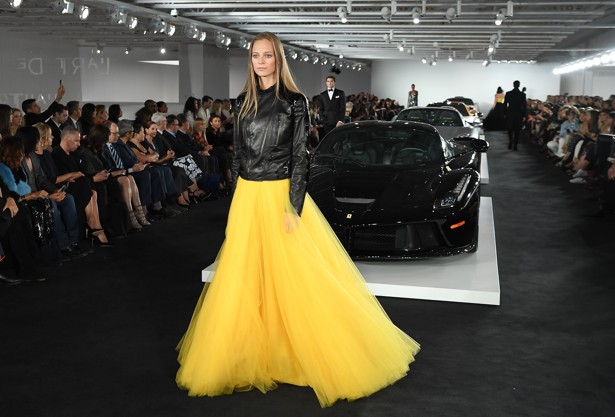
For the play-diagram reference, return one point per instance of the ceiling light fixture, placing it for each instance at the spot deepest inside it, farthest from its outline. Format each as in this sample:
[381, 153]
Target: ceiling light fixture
[170, 30]
[424, 60]
[83, 12]
[15, 4]
[174, 13]
[99, 49]
[163, 50]
[132, 22]
[119, 17]
[499, 18]
[202, 36]
[127, 50]
[342, 12]
[191, 31]
[386, 14]
[416, 15]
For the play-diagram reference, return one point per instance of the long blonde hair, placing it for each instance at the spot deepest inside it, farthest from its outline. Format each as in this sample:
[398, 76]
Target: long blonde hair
[282, 73]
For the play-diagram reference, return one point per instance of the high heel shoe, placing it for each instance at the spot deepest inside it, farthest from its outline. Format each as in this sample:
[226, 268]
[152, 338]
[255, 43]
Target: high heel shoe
[95, 238]
[133, 221]
[140, 215]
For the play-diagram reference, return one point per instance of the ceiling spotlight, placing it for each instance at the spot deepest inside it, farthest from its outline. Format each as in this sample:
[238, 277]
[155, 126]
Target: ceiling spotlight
[315, 60]
[424, 60]
[119, 17]
[292, 54]
[127, 50]
[174, 13]
[490, 50]
[450, 58]
[191, 31]
[163, 50]
[202, 36]
[486, 63]
[359, 67]
[170, 30]
[416, 15]
[343, 14]
[450, 14]
[132, 22]
[386, 14]
[499, 18]
[303, 57]
[341, 56]
[15, 3]
[157, 25]
[83, 12]
[99, 49]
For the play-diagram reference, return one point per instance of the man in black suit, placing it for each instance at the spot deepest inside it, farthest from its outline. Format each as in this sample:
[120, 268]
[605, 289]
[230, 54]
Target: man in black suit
[56, 123]
[74, 114]
[515, 103]
[32, 110]
[333, 106]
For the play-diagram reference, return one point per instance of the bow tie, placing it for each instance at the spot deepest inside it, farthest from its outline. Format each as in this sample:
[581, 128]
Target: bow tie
[330, 89]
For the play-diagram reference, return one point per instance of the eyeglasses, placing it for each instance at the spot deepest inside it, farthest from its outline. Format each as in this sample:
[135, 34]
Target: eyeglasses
[115, 133]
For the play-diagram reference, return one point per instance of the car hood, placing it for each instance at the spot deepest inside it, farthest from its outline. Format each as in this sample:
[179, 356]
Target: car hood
[386, 195]
[451, 132]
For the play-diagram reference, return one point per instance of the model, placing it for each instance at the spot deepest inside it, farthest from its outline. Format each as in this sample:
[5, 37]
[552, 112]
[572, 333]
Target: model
[286, 304]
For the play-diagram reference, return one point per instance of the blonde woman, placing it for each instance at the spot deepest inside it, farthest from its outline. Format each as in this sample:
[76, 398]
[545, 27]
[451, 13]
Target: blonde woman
[16, 120]
[286, 303]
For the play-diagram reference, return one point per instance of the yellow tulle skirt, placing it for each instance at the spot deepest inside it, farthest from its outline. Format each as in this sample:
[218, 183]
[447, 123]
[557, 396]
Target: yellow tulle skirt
[288, 307]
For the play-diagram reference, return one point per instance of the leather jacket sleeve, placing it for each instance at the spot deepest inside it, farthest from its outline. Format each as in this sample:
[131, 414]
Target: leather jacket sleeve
[236, 163]
[299, 161]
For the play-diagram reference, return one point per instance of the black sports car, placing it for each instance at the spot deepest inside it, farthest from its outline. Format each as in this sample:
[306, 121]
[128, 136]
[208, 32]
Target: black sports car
[398, 189]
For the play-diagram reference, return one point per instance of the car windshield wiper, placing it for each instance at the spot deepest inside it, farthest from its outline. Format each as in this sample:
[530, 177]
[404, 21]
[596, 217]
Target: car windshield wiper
[343, 159]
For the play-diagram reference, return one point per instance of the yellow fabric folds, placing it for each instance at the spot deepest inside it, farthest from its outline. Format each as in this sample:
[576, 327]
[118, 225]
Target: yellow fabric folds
[288, 307]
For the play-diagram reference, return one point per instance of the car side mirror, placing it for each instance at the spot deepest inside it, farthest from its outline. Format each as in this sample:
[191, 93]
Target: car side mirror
[479, 145]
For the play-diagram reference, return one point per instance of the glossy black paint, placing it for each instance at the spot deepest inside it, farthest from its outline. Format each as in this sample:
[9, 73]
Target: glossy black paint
[393, 212]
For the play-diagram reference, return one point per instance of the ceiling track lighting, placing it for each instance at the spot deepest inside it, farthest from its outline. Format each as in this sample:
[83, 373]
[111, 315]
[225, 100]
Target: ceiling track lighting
[424, 60]
[202, 36]
[83, 12]
[15, 4]
[174, 12]
[191, 31]
[416, 15]
[119, 17]
[342, 12]
[163, 50]
[605, 58]
[127, 50]
[170, 30]
[63, 6]
[99, 49]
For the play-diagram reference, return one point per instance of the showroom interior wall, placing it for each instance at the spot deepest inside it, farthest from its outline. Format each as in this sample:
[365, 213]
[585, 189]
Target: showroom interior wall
[460, 78]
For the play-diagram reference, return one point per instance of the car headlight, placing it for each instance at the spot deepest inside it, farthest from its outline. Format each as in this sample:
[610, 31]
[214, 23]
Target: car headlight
[453, 196]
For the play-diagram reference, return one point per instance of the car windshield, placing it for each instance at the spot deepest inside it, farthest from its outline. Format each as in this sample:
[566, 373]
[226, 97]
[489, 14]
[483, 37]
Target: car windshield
[461, 108]
[464, 100]
[384, 145]
[432, 116]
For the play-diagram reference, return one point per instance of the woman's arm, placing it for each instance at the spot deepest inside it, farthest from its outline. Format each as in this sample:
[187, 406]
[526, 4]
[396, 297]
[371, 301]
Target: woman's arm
[299, 161]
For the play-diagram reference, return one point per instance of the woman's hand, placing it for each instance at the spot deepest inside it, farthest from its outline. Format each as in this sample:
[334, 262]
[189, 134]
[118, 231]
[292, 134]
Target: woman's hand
[100, 176]
[75, 175]
[291, 222]
[58, 196]
[12, 206]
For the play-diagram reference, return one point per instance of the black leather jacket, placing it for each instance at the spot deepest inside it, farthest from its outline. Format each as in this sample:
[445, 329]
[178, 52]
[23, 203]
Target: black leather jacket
[272, 144]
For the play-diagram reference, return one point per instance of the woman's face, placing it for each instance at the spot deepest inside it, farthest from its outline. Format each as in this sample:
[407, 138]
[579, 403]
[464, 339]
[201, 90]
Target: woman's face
[103, 114]
[215, 123]
[151, 131]
[263, 58]
[139, 134]
[16, 118]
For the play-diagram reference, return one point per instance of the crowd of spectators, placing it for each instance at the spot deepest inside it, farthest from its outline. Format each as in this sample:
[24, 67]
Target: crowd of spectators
[74, 178]
[577, 134]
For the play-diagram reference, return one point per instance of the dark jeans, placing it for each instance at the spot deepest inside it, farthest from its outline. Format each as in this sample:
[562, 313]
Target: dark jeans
[65, 222]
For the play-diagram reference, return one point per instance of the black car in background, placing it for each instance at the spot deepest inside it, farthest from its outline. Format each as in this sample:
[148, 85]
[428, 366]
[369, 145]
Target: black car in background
[398, 190]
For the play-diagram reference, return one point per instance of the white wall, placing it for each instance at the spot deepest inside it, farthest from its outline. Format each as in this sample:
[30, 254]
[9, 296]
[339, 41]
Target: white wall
[460, 78]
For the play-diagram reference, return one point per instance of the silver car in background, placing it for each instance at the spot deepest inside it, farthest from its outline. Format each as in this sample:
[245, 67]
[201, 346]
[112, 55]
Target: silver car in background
[447, 120]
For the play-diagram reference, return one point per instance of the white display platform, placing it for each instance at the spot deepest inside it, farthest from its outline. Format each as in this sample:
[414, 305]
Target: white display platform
[484, 169]
[466, 278]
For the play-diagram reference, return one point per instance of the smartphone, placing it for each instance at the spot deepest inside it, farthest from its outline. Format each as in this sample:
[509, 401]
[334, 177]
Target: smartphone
[64, 187]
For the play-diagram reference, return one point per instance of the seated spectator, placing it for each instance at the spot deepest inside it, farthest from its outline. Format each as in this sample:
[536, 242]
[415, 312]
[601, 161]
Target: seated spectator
[100, 114]
[221, 149]
[87, 118]
[16, 121]
[191, 109]
[66, 229]
[56, 123]
[64, 168]
[18, 250]
[568, 127]
[14, 177]
[115, 113]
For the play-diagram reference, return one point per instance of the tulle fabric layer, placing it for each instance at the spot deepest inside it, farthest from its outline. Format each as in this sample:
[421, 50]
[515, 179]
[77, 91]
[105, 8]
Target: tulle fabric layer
[288, 307]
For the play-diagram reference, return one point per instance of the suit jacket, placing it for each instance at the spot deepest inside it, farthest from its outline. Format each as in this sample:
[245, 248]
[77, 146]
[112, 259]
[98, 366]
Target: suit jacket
[177, 145]
[516, 105]
[334, 109]
[40, 179]
[56, 132]
[69, 122]
[127, 156]
[32, 118]
[189, 142]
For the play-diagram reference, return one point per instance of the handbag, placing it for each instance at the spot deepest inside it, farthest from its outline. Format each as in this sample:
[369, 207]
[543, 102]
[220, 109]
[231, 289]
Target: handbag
[41, 216]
